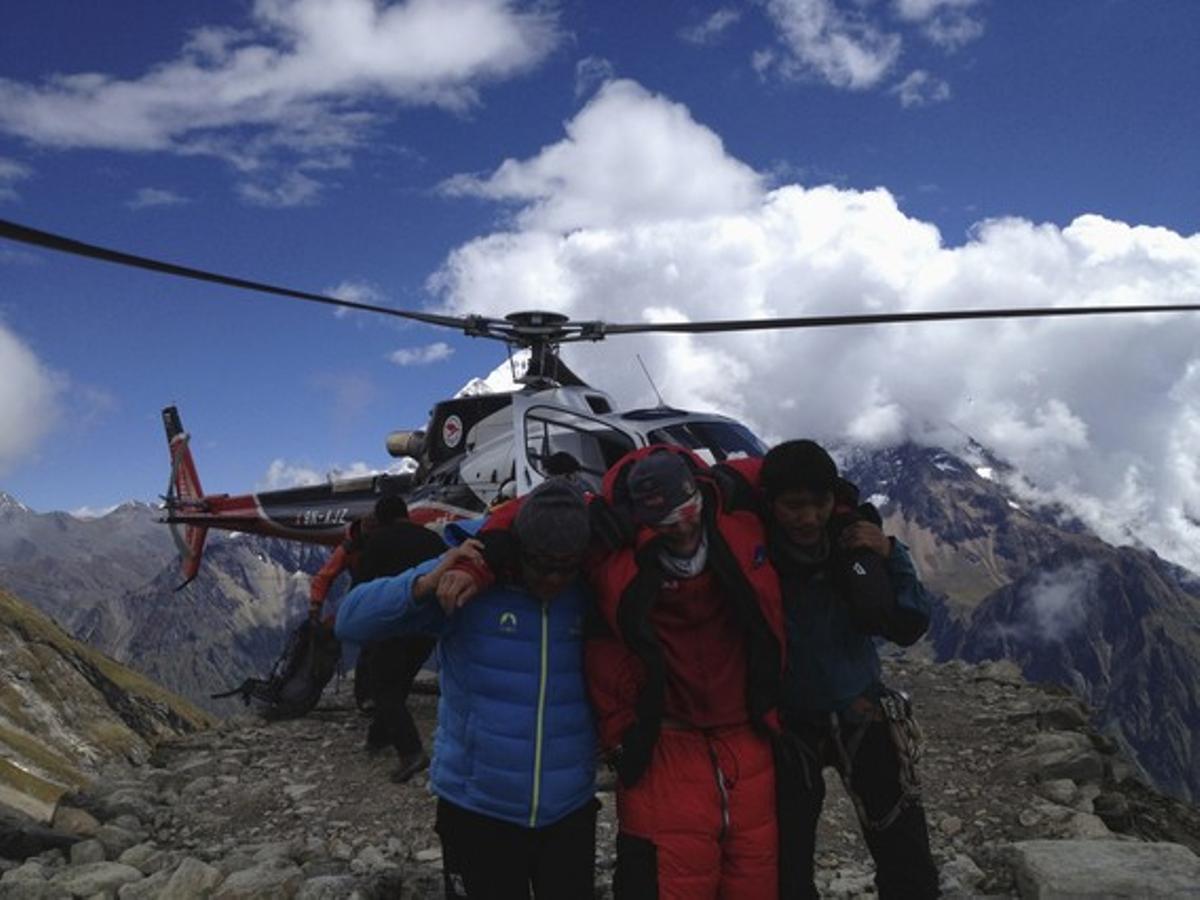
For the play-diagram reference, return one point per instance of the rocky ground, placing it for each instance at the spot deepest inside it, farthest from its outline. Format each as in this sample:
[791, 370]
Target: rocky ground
[296, 809]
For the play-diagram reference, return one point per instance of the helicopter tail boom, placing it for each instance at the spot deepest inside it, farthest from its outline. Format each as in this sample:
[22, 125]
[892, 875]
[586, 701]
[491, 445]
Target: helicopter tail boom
[184, 493]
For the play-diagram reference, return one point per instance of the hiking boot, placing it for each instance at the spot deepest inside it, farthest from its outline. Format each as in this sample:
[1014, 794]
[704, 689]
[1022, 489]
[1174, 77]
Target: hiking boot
[410, 765]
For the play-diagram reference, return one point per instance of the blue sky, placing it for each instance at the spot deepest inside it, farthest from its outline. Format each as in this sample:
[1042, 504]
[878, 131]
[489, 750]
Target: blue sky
[620, 160]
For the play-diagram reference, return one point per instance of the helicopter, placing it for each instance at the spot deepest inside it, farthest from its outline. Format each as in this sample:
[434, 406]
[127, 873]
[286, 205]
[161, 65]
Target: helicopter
[475, 448]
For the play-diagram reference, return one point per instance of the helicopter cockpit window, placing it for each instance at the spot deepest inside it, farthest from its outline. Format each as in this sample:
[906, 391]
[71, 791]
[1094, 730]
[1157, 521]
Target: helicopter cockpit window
[594, 444]
[712, 441]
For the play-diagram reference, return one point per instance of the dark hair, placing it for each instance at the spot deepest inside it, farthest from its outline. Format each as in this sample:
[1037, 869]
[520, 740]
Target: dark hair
[390, 509]
[561, 463]
[798, 465]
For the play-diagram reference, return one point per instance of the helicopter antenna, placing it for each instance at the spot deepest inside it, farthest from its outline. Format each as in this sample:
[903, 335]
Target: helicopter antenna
[653, 386]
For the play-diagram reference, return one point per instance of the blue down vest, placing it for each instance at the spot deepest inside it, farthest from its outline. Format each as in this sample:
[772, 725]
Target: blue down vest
[515, 737]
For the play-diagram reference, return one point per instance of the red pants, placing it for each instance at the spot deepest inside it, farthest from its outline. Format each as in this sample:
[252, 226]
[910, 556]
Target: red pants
[700, 823]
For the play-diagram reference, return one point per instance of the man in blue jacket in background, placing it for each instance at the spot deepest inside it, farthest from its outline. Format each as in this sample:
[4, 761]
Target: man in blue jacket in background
[515, 749]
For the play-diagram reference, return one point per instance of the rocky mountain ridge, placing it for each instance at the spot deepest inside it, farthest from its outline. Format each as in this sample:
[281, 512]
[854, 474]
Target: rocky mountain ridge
[1023, 798]
[66, 711]
[111, 581]
[1016, 581]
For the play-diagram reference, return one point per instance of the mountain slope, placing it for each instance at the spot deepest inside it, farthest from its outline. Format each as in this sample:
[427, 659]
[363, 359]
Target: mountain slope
[66, 710]
[1118, 625]
[228, 624]
[66, 566]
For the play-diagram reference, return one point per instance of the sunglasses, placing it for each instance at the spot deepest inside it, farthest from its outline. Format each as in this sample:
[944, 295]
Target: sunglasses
[550, 565]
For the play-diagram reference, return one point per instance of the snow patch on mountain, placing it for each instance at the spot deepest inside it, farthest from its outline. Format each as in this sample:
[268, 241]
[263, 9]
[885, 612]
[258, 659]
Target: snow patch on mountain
[501, 380]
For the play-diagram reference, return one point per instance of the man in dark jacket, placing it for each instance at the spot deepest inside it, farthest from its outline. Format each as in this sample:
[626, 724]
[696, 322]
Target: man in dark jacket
[389, 667]
[844, 583]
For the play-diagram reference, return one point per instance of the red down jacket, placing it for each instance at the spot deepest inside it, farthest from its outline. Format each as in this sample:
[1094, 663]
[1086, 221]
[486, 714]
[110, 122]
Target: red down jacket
[684, 678]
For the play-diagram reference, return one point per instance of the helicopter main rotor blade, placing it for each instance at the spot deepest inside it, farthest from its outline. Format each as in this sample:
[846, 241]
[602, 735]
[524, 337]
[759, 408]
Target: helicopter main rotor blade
[949, 315]
[45, 239]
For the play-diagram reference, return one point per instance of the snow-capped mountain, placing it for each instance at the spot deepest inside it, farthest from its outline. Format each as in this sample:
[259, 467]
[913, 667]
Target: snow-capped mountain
[501, 380]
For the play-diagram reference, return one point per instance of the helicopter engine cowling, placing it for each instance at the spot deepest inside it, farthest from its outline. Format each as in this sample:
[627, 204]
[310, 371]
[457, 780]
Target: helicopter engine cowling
[406, 443]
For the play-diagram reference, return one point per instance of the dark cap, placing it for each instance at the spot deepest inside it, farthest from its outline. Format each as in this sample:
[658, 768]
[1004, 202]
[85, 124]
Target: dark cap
[798, 465]
[553, 520]
[657, 484]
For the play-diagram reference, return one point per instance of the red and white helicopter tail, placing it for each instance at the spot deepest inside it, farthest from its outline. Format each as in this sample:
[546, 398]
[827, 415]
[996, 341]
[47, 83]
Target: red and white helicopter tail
[184, 494]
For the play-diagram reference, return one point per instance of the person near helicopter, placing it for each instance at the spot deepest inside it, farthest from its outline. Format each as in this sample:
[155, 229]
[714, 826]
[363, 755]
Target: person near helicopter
[844, 583]
[684, 669]
[387, 668]
[344, 558]
[514, 755]
[684, 660]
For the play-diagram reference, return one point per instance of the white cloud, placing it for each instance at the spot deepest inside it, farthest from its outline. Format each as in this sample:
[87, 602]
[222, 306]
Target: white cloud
[290, 190]
[283, 474]
[30, 400]
[820, 39]
[148, 197]
[590, 73]
[712, 28]
[11, 172]
[854, 45]
[947, 23]
[355, 292]
[291, 92]
[421, 356]
[628, 156]
[1057, 603]
[1102, 414]
[919, 88]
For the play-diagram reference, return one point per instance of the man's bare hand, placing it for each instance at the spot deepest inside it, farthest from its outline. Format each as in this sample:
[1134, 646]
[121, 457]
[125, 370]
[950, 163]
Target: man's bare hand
[455, 588]
[866, 536]
[446, 582]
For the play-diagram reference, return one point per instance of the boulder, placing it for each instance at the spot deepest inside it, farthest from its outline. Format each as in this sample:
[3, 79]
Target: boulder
[73, 820]
[1062, 714]
[95, 878]
[31, 890]
[273, 879]
[192, 878]
[146, 889]
[1058, 755]
[1079, 869]
[327, 887]
[89, 851]
[116, 840]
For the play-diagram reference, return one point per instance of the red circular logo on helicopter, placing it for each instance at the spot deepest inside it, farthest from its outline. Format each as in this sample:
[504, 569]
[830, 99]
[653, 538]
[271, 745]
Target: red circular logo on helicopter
[452, 431]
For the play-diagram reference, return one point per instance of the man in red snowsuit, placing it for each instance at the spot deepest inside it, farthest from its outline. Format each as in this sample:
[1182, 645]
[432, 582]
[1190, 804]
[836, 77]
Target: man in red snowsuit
[684, 673]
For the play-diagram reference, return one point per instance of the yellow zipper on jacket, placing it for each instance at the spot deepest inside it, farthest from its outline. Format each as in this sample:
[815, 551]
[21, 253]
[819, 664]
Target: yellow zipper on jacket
[541, 714]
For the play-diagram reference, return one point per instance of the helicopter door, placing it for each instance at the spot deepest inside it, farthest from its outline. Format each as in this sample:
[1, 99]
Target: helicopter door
[543, 430]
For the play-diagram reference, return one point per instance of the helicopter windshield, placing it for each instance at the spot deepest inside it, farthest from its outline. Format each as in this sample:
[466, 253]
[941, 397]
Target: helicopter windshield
[593, 444]
[711, 441]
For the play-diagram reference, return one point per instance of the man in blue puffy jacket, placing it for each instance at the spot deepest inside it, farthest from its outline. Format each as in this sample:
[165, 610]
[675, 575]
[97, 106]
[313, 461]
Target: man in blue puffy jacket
[514, 753]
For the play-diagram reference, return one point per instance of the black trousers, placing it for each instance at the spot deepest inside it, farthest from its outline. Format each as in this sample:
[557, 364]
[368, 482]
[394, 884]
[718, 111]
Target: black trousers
[904, 866]
[487, 859]
[390, 668]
